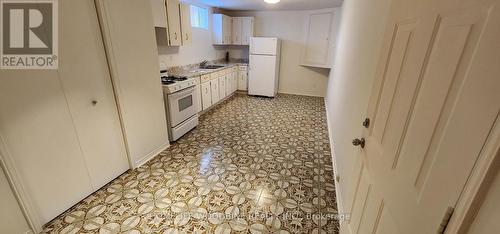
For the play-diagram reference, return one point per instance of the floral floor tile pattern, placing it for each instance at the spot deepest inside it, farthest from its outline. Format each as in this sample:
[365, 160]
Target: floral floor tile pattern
[253, 165]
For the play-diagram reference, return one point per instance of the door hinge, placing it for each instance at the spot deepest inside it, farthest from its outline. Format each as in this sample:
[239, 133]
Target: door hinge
[446, 220]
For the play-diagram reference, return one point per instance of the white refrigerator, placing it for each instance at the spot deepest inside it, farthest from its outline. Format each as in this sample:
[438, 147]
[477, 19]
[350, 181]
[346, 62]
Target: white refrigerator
[264, 67]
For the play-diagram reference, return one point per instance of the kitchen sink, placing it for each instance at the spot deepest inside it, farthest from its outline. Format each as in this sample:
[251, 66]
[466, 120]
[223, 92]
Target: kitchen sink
[212, 66]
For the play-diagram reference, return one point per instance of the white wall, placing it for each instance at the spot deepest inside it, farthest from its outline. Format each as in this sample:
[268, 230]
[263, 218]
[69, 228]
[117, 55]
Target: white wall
[290, 26]
[349, 87]
[487, 219]
[135, 69]
[11, 217]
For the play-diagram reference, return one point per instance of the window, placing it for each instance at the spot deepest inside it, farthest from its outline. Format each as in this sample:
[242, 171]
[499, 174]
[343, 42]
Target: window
[199, 17]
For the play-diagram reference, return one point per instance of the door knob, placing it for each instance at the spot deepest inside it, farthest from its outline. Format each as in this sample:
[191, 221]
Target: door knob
[359, 142]
[366, 123]
[94, 102]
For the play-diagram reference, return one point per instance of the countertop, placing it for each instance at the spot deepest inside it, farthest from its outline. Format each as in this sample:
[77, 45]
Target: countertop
[194, 72]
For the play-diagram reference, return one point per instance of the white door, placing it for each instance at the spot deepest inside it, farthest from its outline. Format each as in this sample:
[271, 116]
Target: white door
[262, 72]
[90, 95]
[435, 101]
[236, 31]
[222, 87]
[61, 127]
[206, 95]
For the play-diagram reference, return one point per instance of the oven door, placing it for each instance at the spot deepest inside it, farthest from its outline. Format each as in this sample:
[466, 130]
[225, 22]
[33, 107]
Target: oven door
[182, 105]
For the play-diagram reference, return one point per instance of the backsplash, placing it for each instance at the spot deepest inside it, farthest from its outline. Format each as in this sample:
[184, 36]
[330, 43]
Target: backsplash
[177, 69]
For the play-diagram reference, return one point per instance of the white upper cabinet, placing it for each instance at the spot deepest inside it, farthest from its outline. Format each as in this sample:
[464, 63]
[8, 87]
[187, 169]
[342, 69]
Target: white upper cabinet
[246, 30]
[232, 30]
[319, 39]
[221, 30]
[171, 29]
[228, 26]
[241, 30]
[186, 24]
[159, 13]
[236, 31]
[174, 22]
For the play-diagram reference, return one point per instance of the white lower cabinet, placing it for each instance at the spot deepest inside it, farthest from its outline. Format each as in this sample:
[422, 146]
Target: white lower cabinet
[222, 87]
[198, 99]
[242, 78]
[219, 85]
[206, 95]
[228, 85]
[214, 84]
[234, 81]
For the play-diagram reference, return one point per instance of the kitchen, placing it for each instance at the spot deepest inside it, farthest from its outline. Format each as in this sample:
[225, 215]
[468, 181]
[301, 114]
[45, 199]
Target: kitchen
[142, 107]
[249, 116]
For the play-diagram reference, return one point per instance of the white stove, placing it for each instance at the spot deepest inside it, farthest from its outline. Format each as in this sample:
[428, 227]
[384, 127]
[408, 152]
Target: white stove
[180, 103]
[172, 84]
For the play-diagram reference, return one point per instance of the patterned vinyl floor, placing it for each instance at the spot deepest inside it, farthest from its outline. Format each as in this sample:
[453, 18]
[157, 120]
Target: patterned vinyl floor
[253, 165]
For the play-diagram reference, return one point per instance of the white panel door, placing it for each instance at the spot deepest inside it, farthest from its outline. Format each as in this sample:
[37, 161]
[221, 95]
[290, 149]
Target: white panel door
[262, 74]
[436, 98]
[60, 127]
[206, 95]
[90, 94]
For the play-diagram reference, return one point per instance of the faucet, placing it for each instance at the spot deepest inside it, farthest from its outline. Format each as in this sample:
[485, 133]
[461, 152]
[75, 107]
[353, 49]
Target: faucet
[203, 63]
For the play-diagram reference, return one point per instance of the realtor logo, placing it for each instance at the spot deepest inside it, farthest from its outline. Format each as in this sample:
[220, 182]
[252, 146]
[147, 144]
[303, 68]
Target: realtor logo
[29, 34]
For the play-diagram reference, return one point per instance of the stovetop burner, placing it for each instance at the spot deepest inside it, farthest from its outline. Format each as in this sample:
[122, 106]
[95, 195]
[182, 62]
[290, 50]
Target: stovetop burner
[167, 80]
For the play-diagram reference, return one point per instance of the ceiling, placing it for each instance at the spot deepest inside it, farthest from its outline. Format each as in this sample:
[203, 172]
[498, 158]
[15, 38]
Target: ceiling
[259, 5]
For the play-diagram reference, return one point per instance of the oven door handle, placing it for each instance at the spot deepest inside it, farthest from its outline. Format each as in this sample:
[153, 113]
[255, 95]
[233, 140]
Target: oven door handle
[182, 93]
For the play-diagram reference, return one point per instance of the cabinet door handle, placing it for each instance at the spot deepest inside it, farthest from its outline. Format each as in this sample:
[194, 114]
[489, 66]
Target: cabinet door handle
[175, 36]
[94, 102]
[187, 36]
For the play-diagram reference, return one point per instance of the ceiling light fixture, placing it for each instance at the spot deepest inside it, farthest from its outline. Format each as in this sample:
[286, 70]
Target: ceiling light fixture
[272, 1]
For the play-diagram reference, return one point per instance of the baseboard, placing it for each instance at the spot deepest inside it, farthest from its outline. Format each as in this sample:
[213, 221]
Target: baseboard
[303, 94]
[343, 224]
[151, 155]
[216, 104]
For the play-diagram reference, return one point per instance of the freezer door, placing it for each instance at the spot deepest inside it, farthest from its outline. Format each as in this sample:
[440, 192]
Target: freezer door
[262, 75]
[263, 46]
